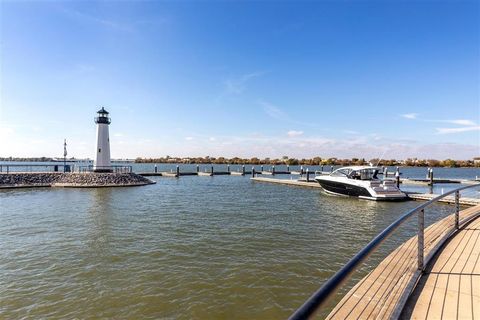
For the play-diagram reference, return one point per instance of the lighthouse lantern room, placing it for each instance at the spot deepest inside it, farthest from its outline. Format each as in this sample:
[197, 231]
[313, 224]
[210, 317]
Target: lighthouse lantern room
[102, 159]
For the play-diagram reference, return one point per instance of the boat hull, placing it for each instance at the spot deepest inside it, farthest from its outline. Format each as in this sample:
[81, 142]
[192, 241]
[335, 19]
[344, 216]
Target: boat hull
[344, 189]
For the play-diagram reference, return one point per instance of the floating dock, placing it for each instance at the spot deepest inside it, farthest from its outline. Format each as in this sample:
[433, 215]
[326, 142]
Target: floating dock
[296, 183]
[450, 199]
[311, 174]
[414, 196]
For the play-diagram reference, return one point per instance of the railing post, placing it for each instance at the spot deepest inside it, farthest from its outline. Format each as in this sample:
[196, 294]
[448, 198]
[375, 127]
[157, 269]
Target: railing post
[420, 238]
[457, 208]
[397, 177]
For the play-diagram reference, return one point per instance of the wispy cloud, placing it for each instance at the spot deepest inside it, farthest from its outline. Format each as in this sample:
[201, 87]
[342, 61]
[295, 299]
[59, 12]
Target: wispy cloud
[294, 133]
[189, 138]
[457, 130]
[460, 122]
[410, 115]
[238, 85]
[273, 111]
[466, 125]
[82, 16]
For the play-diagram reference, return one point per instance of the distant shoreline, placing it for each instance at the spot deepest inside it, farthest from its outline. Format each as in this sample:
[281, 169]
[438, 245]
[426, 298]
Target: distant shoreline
[317, 161]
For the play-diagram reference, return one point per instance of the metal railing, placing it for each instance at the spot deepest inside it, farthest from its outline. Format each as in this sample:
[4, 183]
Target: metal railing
[113, 168]
[17, 168]
[327, 290]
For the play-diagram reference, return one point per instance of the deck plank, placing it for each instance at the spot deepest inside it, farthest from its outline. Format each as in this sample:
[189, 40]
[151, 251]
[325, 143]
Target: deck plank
[448, 290]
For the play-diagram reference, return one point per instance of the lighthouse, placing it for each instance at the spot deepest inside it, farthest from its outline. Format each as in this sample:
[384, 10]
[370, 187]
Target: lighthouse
[102, 158]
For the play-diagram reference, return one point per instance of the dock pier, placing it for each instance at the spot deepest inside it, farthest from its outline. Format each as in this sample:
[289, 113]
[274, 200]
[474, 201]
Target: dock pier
[432, 275]
[303, 182]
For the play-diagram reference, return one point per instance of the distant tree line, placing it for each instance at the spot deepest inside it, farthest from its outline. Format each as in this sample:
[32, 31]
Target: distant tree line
[285, 160]
[39, 159]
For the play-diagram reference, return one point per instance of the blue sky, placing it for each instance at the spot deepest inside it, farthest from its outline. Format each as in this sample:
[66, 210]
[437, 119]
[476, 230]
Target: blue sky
[265, 79]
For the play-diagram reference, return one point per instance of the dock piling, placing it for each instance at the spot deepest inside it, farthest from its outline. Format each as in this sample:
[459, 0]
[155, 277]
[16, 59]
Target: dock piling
[308, 175]
[177, 171]
[156, 169]
[211, 169]
[397, 177]
[273, 170]
[198, 168]
[243, 169]
[253, 172]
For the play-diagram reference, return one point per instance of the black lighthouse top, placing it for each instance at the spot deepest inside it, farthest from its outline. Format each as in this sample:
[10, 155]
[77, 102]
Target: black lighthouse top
[102, 116]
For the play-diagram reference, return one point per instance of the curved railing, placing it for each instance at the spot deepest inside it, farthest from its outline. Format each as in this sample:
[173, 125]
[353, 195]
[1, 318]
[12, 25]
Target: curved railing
[111, 168]
[328, 289]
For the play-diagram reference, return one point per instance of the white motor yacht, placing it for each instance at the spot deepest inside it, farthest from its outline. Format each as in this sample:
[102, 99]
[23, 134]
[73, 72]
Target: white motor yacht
[360, 181]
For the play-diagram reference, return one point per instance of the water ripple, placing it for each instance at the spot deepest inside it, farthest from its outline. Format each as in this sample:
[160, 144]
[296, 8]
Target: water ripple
[202, 248]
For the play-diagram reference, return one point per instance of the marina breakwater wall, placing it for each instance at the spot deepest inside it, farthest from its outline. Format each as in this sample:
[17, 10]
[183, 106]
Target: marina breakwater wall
[78, 180]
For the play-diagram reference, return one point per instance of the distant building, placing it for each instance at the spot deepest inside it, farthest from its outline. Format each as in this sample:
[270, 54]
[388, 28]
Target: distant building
[476, 160]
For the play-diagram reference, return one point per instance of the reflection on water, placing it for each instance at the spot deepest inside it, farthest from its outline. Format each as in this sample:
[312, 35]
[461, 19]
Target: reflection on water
[98, 224]
[195, 247]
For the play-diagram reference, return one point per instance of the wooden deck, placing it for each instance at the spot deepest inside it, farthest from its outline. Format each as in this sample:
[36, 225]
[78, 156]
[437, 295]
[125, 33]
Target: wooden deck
[450, 287]
[383, 292]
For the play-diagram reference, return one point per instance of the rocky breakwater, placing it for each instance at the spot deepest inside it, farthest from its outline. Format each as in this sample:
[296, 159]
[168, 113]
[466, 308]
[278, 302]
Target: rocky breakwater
[79, 180]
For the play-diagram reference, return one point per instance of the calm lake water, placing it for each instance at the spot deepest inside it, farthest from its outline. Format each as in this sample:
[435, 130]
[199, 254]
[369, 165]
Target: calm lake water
[194, 247]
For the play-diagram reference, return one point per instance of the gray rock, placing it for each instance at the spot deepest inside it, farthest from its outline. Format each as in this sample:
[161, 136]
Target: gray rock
[71, 179]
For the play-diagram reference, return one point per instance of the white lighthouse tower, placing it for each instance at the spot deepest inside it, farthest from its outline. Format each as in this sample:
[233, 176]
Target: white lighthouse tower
[102, 158]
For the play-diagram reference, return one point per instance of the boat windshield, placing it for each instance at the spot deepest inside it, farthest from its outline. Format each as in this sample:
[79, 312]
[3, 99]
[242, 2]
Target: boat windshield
[341, 173]
[364, 174]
